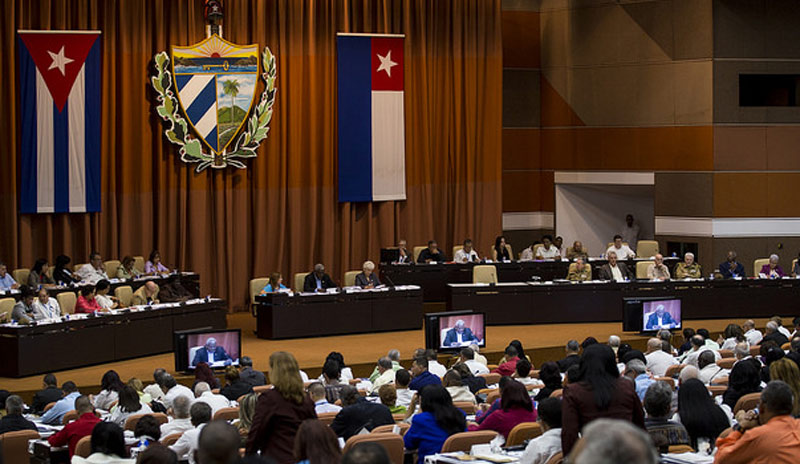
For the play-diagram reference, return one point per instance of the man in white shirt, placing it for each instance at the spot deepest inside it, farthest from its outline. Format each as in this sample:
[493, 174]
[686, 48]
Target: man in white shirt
[45, 307]
[202, 391]
[154, 390]
[781, 328]
[434, 367]
[404, 395]
[698, 346]
[467, 356]
[623, 251]
[630, 233]
[173, 389]
[94, 270]
[477, 355]
[180, 421]
[709, 370]
[321, 404]
[658, 361]
[386, 374]
[547, 250]
[187, 443]
[466, 254]
[545, 446]
[752, 335]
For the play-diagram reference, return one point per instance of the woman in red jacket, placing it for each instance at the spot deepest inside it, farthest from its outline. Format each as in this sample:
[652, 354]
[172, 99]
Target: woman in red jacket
[86, 302]
[598, 392]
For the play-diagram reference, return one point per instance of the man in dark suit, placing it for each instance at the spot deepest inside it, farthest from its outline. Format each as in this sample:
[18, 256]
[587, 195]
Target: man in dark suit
[358, 413]
[50, 394]
[13, 420]
[771, 333]
[451, 338]
[660, 319]
[211, 353]
[318, 281]
[732, 268]
[432, 253]
[250, 375]
[614, 270]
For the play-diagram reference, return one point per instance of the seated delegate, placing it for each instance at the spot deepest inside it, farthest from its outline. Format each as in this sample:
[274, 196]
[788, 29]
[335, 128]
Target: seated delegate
[6, 281]
[87, 303]
[577, 251]
[23, 311]
[127, 270]
[367, 278]
[732, 268]
[275, 284]
[62, 275]
[47, 307]
[657, 270]
[467, 254]
[614, 270]
[94, 270]
[579, 271]
[547, 250]
[431, 254]
[211, 353]
[38, 275]
[688, 269]
[500, 250]
[153, 266]
[318, 281]
[623, 251]
[147, 294]
[772, 270]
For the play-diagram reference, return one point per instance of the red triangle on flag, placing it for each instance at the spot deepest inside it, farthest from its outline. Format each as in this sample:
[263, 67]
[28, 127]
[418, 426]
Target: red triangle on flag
[59, 58]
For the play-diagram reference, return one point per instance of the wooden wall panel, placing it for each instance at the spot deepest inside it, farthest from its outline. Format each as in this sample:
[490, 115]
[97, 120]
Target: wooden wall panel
[521, 39]
[521, 150]
[740, 194]
[521, 191]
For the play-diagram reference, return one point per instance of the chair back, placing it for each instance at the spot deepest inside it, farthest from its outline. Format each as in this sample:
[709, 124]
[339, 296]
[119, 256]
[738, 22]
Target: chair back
[557, 393]
[131, 421]
[641, 269]
[417, 251]
[261, 388]
[171, 438]
[404, 426]
[399, 417]
[327, 417]
[755, 350]
[758, 264]
[491, 378]
[680, 449]
[787, 346]
[84, 447]
[138, 263]
[747, 402]
[227, 414]
[717, 390]
[160, 417]
[15, 445]
[69, 416]
[463, 441]
[76, 267]
[299, 279]
[646, 248]
[484, 274]
[466, 406]
[255, 287]
[720, 380]
[668, 380]
[124, 294]
[493, 396]
[523, 431]
[726, 353]
[673, 370]
[21, 275]
[460, 247]
[557, 458]
[7, 307]
[111, 267]
[67, 302]
[726, 363]
[350, 278]
[391, 442]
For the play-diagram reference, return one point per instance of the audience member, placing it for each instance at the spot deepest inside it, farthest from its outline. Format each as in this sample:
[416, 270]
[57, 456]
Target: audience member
[422, 377]
[203, 394]
[321, 404]
[573, 357]
[636, 370]
[218, 443]
[709, 370]
[147, 431]
[388, 396]
[458, 391]
[250, 375]
[107, 446]
[13, 420]
[434, 366]
[613, 342]
[663, 431]
[481, 358]
[394, 356]
[540, 449]
[402, 378]
[744, 379]
[438, 420]
[509, 366]
[203, 373]
[788, 372]
[367, 453]
[386, 376]
[753, 335]
[550, 375]
[522, 373]
[777, 320]
[316, 443]
[110, 386]
[773, 334]
[179, 418]
[467, 356]
[172, 389]
[77, 429]
[331, 372]
[698, 346]
[688, 333]
[358, 414]
[157, 453]
[688, 372]
[234, 385]
[154, 390]
[6, 281]
[703, 419]
[613, 441]
[515, 407]
[732, 335]
[49, 394]
[247, 409]
[62, 406]
[345, 373]
[186, 445]
[598, 392]
[658, 361]
[280, 410]
[128, 405]
[471, 381]
[769, 435]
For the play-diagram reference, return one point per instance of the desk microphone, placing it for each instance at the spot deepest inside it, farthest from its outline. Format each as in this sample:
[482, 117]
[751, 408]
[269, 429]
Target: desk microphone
[389, 279]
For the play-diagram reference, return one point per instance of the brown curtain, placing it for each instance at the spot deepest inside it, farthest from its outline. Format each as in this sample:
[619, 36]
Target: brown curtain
[281, 213]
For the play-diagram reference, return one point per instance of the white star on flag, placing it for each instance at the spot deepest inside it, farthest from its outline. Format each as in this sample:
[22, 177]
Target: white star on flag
[386, 63]
[59, 60]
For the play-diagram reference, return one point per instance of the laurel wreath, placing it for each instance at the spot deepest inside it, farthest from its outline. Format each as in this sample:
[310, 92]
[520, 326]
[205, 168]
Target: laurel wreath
[191, 150]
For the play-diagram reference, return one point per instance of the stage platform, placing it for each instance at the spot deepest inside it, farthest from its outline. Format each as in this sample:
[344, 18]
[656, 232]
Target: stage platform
[542, 343]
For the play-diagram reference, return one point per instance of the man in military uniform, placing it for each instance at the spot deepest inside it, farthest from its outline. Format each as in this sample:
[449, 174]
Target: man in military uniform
[579, 271]
[688, 269]
[576, 251]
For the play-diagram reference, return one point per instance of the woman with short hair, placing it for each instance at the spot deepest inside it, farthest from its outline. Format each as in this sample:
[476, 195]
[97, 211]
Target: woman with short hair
[38, 276]
[367, 278]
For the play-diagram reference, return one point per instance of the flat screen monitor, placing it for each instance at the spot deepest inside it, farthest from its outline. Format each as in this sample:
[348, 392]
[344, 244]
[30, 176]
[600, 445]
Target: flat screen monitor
[217, 348]
[651, 314]
[453, 330]
[390, 255]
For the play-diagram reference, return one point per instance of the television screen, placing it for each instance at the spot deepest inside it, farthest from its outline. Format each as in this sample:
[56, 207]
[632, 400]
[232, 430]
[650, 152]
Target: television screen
[453, 330]
[217, 348]
[661, 314]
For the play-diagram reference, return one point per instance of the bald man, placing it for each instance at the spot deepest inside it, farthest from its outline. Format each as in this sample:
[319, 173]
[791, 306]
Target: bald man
[658, 361]
[146, 295]
[657, 270]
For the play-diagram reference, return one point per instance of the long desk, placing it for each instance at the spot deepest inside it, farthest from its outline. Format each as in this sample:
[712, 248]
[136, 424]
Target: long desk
[84, 341]
[548, 303]
[189, 280]
[280, 315]
[433, 278]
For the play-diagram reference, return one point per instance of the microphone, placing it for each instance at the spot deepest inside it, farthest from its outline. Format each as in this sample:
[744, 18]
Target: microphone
[389, 279]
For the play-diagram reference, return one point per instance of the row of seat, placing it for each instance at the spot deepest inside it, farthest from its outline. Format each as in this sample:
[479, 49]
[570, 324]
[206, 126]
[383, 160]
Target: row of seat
[644, 249]
[21, 274]
[67, 300]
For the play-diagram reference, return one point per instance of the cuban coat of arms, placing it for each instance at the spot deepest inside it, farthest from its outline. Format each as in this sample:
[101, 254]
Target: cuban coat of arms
[208, 100]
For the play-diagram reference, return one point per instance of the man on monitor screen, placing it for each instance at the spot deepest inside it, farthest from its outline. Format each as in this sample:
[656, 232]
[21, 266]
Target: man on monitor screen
[211, 353]
[459, 335]
[660, 319]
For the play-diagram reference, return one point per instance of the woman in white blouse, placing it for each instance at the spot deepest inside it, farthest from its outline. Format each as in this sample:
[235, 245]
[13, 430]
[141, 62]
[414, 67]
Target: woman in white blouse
[45, 307]
[111, 385]
[128, 405]
[103, 299]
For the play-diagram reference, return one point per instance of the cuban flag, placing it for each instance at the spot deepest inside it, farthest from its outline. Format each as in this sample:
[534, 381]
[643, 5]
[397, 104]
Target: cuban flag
[59, 74]
[372, 147]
